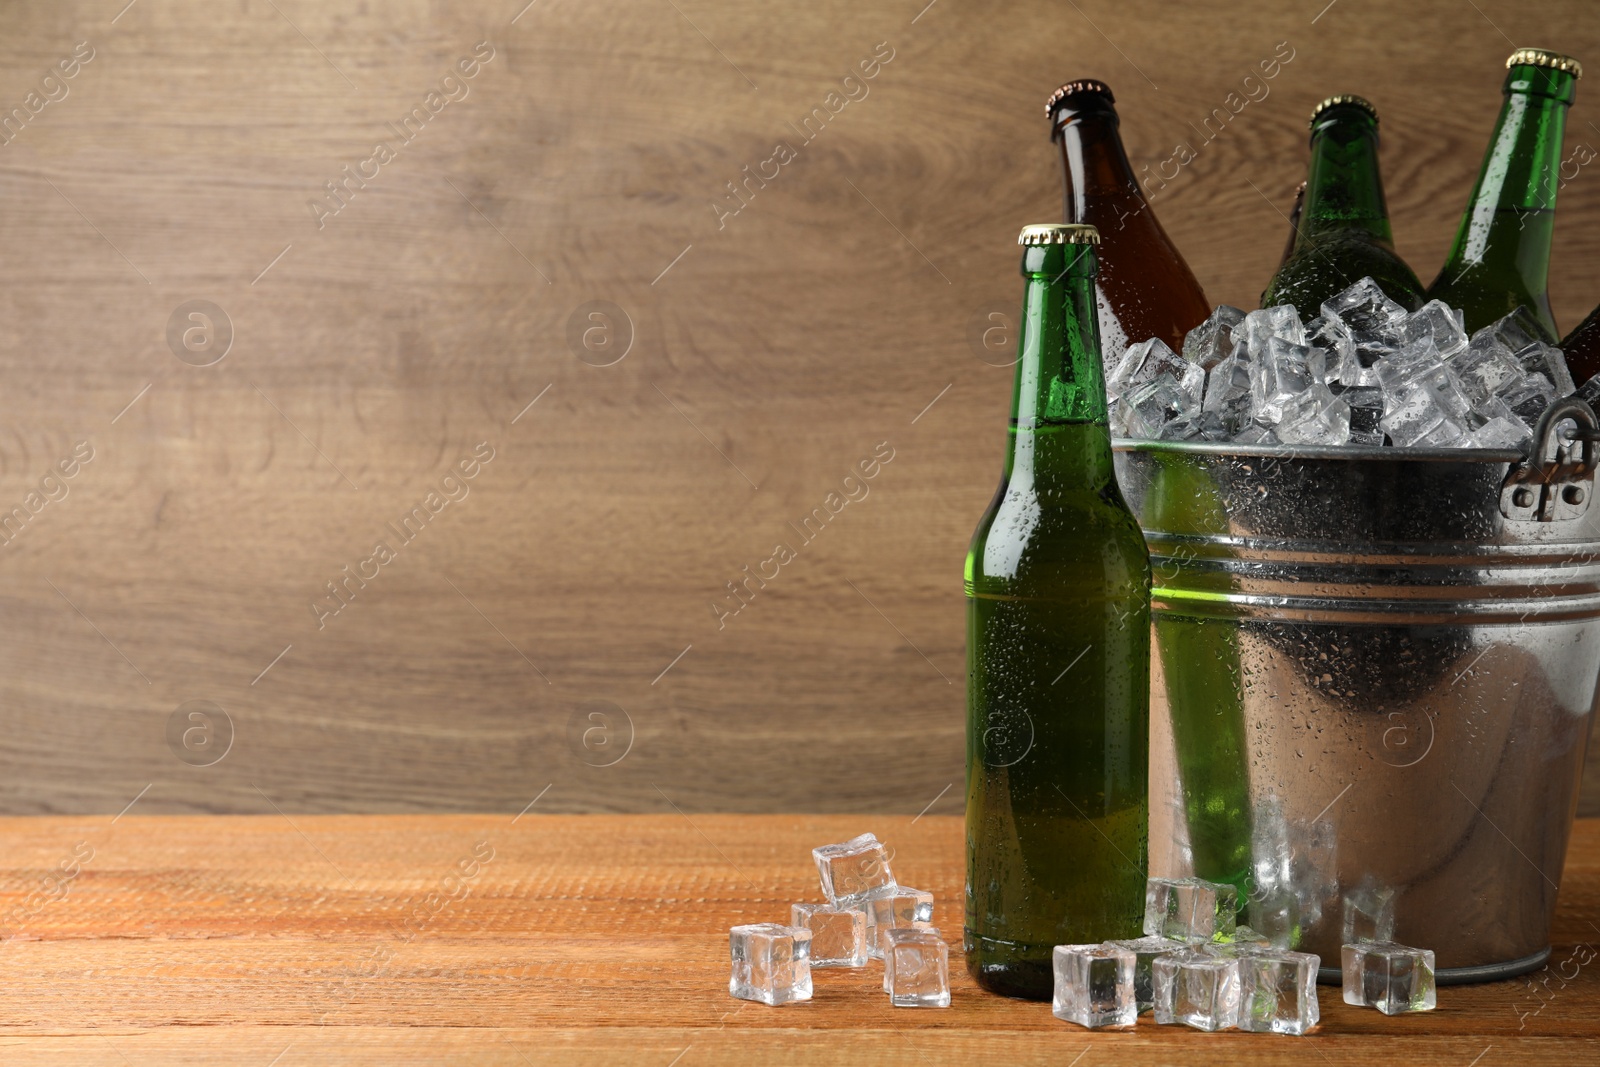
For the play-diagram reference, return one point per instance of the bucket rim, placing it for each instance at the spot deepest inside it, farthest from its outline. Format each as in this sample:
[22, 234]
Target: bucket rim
[1345, 452]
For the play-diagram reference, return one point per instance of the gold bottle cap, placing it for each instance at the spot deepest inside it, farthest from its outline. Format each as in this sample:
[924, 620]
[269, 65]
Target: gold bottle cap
[1539, 57]
[1059, 233]
[1344, 98]
[1073, 88]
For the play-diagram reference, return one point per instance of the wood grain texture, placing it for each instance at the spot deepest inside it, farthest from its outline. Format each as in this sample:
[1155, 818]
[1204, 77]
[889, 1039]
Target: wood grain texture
[580, 939]
[773, 349]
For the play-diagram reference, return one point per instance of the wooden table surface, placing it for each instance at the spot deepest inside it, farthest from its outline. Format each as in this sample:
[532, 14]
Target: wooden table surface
[288, 940]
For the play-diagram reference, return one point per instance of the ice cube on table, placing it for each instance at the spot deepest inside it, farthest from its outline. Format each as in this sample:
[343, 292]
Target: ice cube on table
[1190, 909]
[1142, 363]
[1284, 372]
[838, 935]
[1315, 417]
[1392, 978]
[916, 968]
[852, 869]
[1439, 323]
[1195, 988]
[1278, 991]
[771, 963]
[1145, 950]
[1246, 936]
[894, 907]
[1213, 341]
[1094, 985]
[1274, 910]
[1368, 912]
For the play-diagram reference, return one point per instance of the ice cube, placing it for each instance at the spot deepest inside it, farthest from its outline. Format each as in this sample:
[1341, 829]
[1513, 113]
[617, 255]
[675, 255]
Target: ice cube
[1485, 366]
[852, 869]
[1501, 432]
[1417, 416]
[1261, 326]
[1274, 910]
[894, 907]
[1095, 985]
[1179, 429]
[1245, 936]
[1145, 950]
[1256, 434]
[1390, 977]
[1149, 406]
[1227, 395]
[1278, 992]
[1333, 337]
[1315, 417]
[1540, 358]
[771, 963]
[1439, 323]
[1142, 363]
[1190, 909]
[1368, 912]
[1515, 331]
[1212, 341]
[1395, 376]
[1283, 373]
[1527, 395]
[1198, 989]
[916, 968]
[1366, 408]
[1367, 311]
[838, 935]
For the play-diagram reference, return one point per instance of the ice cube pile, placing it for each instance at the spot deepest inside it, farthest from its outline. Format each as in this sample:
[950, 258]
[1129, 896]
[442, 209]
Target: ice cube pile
[1363, 372]
[867, 915]
[1195, 966]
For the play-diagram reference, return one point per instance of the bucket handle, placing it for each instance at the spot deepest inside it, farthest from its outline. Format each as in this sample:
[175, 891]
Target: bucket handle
[1555, 482]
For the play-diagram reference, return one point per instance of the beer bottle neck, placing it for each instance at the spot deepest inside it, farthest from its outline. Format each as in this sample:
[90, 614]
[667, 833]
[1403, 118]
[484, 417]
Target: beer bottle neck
[1060, 436]
[1344, 192]
[1094, 165]
[1508, 213]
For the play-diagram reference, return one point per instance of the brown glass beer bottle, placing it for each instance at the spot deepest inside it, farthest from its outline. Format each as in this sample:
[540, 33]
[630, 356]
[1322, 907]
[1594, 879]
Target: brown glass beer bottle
[1144, 289]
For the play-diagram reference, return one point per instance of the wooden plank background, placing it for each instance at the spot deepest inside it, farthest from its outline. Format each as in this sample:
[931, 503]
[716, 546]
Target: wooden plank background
[769, 353]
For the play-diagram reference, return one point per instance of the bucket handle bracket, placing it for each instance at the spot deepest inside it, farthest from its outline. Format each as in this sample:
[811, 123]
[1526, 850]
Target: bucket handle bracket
[1556, 481]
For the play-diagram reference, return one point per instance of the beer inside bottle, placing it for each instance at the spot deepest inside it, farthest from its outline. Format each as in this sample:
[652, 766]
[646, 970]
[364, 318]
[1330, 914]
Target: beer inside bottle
[1501, 256]
[1145, 288]
[1342, 234]
[1058, 655]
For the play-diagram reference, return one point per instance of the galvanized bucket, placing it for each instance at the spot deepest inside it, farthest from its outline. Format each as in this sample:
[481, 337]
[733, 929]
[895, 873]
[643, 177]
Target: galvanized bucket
[1372, 681]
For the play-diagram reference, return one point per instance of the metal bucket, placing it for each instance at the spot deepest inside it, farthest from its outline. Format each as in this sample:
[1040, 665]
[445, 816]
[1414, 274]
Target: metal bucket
[1372, 681]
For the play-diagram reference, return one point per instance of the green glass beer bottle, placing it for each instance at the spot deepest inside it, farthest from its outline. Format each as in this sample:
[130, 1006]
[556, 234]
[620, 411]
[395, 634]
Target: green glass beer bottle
[1058, 654]
[1501, 257]
[1343, 233]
